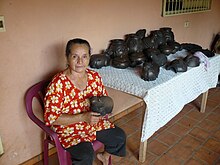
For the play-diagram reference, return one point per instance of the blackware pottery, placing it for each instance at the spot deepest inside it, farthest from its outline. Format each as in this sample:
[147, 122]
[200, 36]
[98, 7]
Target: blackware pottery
[99, 60]
[136, 59]
[192, 61]
[158, 36]
[166, 49]
[168, 34]
[156, 56]
[141, 33]
[101, 104]
[134, 43]
[177, 65]
[117, 47]
[120, 62]
[150, 71]
[149, 42]
[175, 46]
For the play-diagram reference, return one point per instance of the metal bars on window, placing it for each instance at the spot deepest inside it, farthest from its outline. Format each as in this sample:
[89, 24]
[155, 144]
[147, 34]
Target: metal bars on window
[177, 7]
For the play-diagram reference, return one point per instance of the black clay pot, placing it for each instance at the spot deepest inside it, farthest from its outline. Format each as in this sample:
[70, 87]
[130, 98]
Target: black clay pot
[156, 56]
[175, 46]
[177, 65]
[117, 48]
[191, 47]
[120, 62]
[98, 61]
[150, 52]
[101, 104]
[168, 34]
[141, 33]
[150, 71]
[149, 42]
[160, 59]
[158, 36]
[192, 61]
[137, 59]
[134, 43]
[166, 49]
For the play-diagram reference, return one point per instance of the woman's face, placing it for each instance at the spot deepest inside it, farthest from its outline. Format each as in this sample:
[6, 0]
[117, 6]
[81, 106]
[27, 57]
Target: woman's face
[78, 59]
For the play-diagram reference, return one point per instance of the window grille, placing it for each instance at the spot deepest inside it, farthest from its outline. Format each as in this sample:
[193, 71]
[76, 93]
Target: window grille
[177, 7]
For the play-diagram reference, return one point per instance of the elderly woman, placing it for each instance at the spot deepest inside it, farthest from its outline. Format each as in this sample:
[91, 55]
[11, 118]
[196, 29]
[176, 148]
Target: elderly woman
[67, 109]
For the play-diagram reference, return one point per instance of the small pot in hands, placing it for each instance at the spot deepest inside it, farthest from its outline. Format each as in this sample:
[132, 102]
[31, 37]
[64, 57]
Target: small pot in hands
[101, 104]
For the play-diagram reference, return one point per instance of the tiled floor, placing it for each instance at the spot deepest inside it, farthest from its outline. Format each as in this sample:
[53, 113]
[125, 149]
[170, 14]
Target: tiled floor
[191, 138]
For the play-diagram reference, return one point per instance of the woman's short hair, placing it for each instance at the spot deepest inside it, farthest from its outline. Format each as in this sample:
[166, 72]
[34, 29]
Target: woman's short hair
[71, 42]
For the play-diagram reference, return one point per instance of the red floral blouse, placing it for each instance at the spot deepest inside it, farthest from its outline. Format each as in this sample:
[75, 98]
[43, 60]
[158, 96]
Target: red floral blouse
[62, 97]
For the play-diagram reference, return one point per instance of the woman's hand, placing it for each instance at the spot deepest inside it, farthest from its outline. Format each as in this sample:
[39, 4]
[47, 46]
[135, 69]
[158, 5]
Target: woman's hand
[94, 117]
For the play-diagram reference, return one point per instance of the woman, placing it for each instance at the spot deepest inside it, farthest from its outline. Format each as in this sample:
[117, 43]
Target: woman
[67, 109]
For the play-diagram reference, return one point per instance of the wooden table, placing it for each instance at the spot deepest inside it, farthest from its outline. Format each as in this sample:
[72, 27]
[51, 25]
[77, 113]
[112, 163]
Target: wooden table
[124, 103]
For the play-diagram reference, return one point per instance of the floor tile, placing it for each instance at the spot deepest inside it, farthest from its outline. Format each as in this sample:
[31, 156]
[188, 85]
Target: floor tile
[135, 123]
[133, 142]
[168, 138]
[167, 159]
[194, 162]
[157, 147]
[214, 117]
[195, 114]
[207, 156]
[213, 145]
[208, 125]
[150, 158]
[211, 105]
[187, 122]
[129, 129]
[217, 110]
[199, 133]
[178, 130]
[216, 135]
[215, 97]
[184, 149]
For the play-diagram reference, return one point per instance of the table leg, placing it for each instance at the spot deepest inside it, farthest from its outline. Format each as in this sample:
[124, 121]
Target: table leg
[204, 101]
[143, 145]
[143, 151]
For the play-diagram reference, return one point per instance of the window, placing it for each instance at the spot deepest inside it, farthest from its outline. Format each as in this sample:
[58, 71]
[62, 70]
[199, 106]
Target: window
[177, 7]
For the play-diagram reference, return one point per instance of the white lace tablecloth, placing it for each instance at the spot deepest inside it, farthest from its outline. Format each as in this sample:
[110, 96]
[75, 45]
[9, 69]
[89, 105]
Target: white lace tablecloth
[166, 96]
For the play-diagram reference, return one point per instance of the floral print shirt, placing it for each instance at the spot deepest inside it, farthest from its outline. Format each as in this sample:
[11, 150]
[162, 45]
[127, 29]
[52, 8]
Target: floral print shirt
[62, 97]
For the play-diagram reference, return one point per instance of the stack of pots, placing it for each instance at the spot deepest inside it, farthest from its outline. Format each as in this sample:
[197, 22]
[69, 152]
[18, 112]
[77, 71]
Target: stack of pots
[135, 48]
[118, 52]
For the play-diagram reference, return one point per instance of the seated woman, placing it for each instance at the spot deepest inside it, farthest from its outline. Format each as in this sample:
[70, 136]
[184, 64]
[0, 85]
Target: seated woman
[67, 109]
